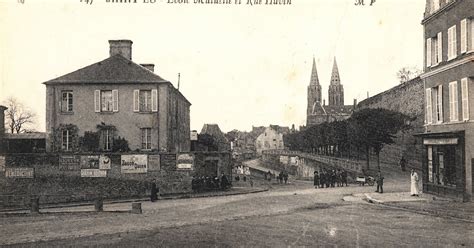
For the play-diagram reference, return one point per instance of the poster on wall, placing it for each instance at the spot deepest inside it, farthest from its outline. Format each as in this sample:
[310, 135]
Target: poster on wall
[90, 162]
[284, 159]
[154, 162]
[134, 163]
[19, 172]
[168, 161]
[2, 163]
[93, 173]
[69, 162]
[185, 161]
[104, 162]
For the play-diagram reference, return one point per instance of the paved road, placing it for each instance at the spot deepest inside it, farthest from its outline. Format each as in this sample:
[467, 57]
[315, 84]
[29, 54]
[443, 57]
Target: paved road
[288, 215]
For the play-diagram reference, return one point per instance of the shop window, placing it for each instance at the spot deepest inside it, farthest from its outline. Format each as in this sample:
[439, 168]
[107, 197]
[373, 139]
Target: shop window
[442, 165]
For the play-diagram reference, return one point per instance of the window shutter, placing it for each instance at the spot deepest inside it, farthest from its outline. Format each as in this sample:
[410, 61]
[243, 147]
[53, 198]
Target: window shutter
[454, 45]
[455, 101]
[440, 47]
[429, 111]
[440, 103]
[464, 36]
[465, 99]
[115, 100]
[428, 52]
[97, 100]
[136, 100]
[154, 100]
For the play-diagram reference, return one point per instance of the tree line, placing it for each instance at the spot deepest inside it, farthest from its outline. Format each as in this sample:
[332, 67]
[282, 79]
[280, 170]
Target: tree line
[365, 131]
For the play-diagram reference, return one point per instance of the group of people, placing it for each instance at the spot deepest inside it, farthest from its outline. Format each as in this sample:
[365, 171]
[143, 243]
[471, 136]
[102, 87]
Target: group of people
[204, 183]
[283, 176]
[330, 178]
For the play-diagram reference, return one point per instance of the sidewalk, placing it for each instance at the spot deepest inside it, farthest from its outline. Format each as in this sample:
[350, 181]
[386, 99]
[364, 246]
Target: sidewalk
[425, 204]
[232, 191]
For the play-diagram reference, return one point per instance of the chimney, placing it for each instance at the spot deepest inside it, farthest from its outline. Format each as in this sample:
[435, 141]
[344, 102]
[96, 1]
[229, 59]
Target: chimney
[150, 67]
[122, 47]
[355, 102]
[2, 120]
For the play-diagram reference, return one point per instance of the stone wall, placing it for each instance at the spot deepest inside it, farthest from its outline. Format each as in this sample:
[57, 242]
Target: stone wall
[55, 181]
[406, 98]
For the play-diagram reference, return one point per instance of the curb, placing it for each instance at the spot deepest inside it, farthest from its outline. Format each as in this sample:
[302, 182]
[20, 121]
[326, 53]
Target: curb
[423, 211]
[174, 197]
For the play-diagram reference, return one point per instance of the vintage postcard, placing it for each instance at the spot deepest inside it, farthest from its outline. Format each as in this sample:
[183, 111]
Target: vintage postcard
[237, 123]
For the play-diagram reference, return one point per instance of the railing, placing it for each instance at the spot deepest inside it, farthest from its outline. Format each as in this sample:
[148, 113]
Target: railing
[347, 164]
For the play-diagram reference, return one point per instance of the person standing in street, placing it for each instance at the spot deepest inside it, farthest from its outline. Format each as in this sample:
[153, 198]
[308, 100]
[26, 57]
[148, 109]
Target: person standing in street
[154, 191]
[414, 190]
[316, 179]
[379, 180]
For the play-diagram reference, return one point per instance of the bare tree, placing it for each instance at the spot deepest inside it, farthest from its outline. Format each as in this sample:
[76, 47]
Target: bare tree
[407, 73]
[17, 116]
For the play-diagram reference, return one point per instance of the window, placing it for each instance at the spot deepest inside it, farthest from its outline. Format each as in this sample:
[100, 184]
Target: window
[429, 111]
[465, 99]
[442, 165]
[66, 140]
[146, 138]
[438, 93]
[453, 101]
[434, 50]
[452, 49]
[66, 101]
[106, 139]
[106, 100]
[145, 100]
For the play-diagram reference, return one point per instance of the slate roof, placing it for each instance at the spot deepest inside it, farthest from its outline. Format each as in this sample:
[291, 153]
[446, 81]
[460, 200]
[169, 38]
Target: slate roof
[115, 69]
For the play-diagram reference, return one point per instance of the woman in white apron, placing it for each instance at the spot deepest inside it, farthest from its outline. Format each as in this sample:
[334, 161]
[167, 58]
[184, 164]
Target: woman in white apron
[414, 190]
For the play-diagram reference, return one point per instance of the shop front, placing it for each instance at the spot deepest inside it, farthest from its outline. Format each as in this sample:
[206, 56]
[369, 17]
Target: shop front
[443, 164]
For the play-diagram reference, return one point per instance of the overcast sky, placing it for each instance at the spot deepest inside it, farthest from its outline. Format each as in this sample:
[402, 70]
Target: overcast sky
[240, 65]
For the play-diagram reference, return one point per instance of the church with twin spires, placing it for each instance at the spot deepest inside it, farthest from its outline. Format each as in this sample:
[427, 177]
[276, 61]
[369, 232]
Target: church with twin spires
[317, 111]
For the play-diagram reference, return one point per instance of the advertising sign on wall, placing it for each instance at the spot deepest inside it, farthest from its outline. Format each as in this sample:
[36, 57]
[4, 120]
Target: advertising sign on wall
[284, 159]
[185, 161]
[2, 163]
[19, 172]
[153, 162]
[168, 161]
[93, 173]
[104, 162]
[69, 162]
[134, 163]
[90, 162]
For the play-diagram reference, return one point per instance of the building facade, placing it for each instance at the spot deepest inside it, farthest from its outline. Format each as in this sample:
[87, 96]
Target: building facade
[317, 111]
[448, 139]
[116, 100]
[270, 139]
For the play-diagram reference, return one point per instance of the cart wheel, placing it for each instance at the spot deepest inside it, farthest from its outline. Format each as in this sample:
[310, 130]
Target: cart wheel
[371, 183]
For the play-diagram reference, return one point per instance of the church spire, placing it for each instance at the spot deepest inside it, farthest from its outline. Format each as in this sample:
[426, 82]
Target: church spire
[314, 74]
[335, 74]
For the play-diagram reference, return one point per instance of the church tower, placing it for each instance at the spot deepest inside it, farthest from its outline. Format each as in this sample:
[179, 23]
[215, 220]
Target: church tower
[314, 90]
[336, 90]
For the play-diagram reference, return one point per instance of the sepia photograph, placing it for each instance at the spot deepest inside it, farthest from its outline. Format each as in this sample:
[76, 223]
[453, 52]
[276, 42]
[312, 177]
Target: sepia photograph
[236, 123]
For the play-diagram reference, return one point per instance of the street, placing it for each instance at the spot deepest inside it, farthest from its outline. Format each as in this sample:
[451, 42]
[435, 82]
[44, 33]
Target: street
[286, 215]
